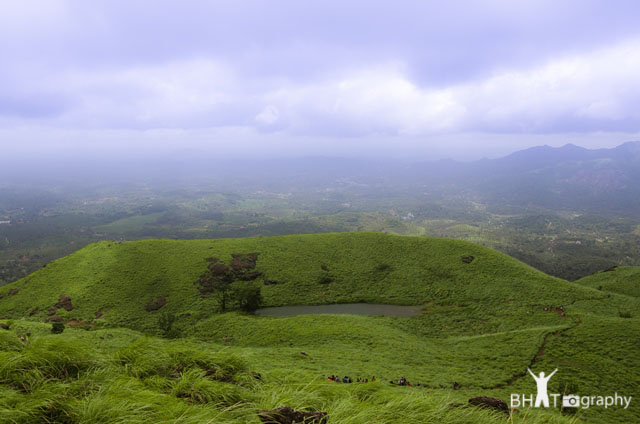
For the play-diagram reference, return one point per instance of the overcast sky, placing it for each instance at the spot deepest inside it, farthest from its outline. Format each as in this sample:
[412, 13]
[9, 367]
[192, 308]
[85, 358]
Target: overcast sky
[417, 79]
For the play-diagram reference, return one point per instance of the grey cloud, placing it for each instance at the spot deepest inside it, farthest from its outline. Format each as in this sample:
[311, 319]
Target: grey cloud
[34, 105]
[327, 69]
[440, 40]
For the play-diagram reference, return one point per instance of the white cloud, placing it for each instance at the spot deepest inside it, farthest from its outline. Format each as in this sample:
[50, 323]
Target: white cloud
[374, 100]
[268, 116]
[174, 95]
[596, 91]
[564, 95]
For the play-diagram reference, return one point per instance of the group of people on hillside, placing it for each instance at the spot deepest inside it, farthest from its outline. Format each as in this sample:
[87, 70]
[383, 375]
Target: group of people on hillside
[346, 379]
[403, 382]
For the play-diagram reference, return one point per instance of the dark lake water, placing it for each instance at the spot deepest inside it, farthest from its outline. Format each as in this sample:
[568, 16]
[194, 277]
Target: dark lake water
[342, 308]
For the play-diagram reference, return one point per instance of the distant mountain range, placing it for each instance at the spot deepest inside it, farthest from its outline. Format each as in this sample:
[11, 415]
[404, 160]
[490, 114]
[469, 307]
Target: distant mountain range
[605, 180]
[572, 178]
[567, 177]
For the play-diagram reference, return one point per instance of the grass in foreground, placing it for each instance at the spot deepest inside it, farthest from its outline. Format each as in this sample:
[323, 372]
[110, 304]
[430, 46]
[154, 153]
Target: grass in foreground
[120, 376]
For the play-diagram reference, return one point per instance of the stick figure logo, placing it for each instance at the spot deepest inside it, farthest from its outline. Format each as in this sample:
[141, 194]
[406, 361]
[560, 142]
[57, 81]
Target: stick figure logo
[541, 381]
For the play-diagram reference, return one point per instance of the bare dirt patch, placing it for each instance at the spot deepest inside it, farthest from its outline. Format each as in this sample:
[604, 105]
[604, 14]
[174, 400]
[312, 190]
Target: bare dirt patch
[244, 261]
[80, 323]
[288, 415]
[249, 276]
[64, 302]
[219, 269]
[242, 268]
[154, 305]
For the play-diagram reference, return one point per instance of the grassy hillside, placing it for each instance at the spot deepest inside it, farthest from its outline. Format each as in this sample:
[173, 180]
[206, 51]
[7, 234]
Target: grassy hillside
[120, 279]
[486, 318]
[623, 280]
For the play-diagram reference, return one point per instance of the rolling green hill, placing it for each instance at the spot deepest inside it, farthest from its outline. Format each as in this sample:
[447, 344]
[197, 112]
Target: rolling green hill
[486, 317]
[622, 280]
[120, 279]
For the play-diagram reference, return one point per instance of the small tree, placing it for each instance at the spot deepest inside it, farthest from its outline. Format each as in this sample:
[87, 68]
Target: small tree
[248, 297]
[222, 290]
[217, 280]
[57, 327]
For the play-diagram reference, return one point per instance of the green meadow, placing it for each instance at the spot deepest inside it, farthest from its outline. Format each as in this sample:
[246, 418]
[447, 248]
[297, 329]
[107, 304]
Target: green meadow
[623, 280]
[485, 318]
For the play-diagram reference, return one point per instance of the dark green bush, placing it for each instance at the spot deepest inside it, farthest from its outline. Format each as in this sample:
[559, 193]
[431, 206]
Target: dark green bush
[624, 314]
[57, 327]
[325, 278]
[165, 323]
[249, 298]
[383, 268]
